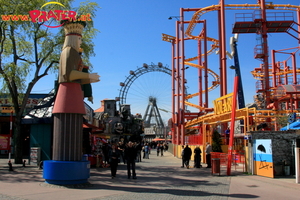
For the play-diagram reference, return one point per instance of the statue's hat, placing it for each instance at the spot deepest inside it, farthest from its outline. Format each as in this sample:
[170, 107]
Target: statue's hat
[73, 27]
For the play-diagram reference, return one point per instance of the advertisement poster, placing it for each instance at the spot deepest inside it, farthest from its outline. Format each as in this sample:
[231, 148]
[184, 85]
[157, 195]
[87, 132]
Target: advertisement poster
[4, 142]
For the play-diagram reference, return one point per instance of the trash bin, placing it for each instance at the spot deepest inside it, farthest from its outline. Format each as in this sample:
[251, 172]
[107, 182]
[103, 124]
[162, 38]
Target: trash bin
[215, 168]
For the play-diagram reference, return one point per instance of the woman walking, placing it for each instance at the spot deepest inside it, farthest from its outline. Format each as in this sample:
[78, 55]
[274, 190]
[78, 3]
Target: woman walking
[146, 151]
[113, 157]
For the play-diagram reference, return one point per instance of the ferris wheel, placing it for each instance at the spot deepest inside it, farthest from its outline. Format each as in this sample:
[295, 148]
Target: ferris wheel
[144, 84]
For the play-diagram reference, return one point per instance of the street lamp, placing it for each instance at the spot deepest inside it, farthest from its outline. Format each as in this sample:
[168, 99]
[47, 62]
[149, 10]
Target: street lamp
[171, 17]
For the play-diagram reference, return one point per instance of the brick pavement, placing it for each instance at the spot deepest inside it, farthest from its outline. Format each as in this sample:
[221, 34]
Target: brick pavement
[157, 178]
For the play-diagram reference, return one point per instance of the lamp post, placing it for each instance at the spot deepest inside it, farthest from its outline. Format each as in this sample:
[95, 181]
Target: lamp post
[171, 17]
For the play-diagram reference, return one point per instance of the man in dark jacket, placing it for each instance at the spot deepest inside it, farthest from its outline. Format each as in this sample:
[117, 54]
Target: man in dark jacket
[197, 157]
[187, 153]
[130, 154]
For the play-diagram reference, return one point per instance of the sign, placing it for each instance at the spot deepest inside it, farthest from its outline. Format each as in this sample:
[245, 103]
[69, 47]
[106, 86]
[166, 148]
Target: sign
[6, 109]
[4, 142]
[35, 155]
[6, 105]
[223, 104]
[40, 15]
[89, 113]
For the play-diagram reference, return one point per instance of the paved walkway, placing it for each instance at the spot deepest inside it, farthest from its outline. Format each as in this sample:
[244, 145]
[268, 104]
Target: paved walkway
[157, 178]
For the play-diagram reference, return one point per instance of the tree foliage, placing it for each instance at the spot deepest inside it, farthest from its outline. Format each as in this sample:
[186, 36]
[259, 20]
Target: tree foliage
[30, 51]
[216, 142]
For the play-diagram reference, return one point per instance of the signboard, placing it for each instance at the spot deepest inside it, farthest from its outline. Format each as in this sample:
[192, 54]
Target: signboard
[89, 113]
[6, 106]
[4, 142]
[223, 104]
[35, 155]
[6, 109]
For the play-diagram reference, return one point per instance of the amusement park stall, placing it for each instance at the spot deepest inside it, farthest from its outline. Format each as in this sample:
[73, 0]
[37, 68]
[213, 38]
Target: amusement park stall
[39, 124]
[7, 117]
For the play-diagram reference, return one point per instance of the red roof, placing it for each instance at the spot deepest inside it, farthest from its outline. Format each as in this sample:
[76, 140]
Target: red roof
[100, 109]
[87, 125]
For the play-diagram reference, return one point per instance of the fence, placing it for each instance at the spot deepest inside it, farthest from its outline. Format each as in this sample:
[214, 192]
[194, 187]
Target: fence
[238, 158]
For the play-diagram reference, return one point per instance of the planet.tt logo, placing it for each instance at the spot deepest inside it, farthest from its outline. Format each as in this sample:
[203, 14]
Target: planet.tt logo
[44, 16]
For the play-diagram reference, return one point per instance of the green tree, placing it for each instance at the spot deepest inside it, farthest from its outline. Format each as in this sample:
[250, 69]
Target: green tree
[282, 120]
[216, 142]
[29, 51]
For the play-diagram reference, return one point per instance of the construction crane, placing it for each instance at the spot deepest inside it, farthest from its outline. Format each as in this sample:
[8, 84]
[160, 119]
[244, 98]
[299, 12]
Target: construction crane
[236, 67]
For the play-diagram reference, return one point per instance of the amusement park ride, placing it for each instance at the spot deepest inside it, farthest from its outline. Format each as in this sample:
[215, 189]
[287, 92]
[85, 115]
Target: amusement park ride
[152, 119]
[277, 87]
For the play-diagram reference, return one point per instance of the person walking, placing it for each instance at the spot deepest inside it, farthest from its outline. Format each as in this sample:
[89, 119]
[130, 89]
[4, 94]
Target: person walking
[130, 154]
[166, 147]
[113, 155]
[106, 148]
[146, 151]
[208, 150]
[161, 150]
[157, 149]
[139, 152]
[182, 156]
[121, 148]
[197, 157]
[187, 153]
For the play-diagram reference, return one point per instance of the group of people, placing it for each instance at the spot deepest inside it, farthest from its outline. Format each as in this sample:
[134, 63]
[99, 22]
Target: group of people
[186, 154]
[160, 148]
[129, 153]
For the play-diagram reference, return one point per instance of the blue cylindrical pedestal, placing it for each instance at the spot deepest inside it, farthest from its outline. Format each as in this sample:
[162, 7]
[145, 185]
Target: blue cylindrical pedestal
[66, 172]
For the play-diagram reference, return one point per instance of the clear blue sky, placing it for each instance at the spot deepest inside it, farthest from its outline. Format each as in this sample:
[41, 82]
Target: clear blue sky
[130, 35]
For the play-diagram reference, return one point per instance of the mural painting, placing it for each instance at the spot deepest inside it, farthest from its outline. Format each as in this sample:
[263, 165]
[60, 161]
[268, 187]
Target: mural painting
[263, 158]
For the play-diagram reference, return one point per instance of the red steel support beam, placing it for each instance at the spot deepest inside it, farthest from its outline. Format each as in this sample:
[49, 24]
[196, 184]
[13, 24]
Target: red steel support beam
[173, 92]
[223, 48]
[220, 57]
[298, 21]
[205, 65]
[294, 69]
[231, 137]
[265, 51]
[273, 68]
[178, 83]
[200, 102]
[182, 79]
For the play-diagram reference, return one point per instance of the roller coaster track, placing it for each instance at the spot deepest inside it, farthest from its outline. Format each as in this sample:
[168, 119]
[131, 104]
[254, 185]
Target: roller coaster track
[215, 83]
[214, 46]
[194, 105]
[260, 75]
[194, 21]
[202, 11]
